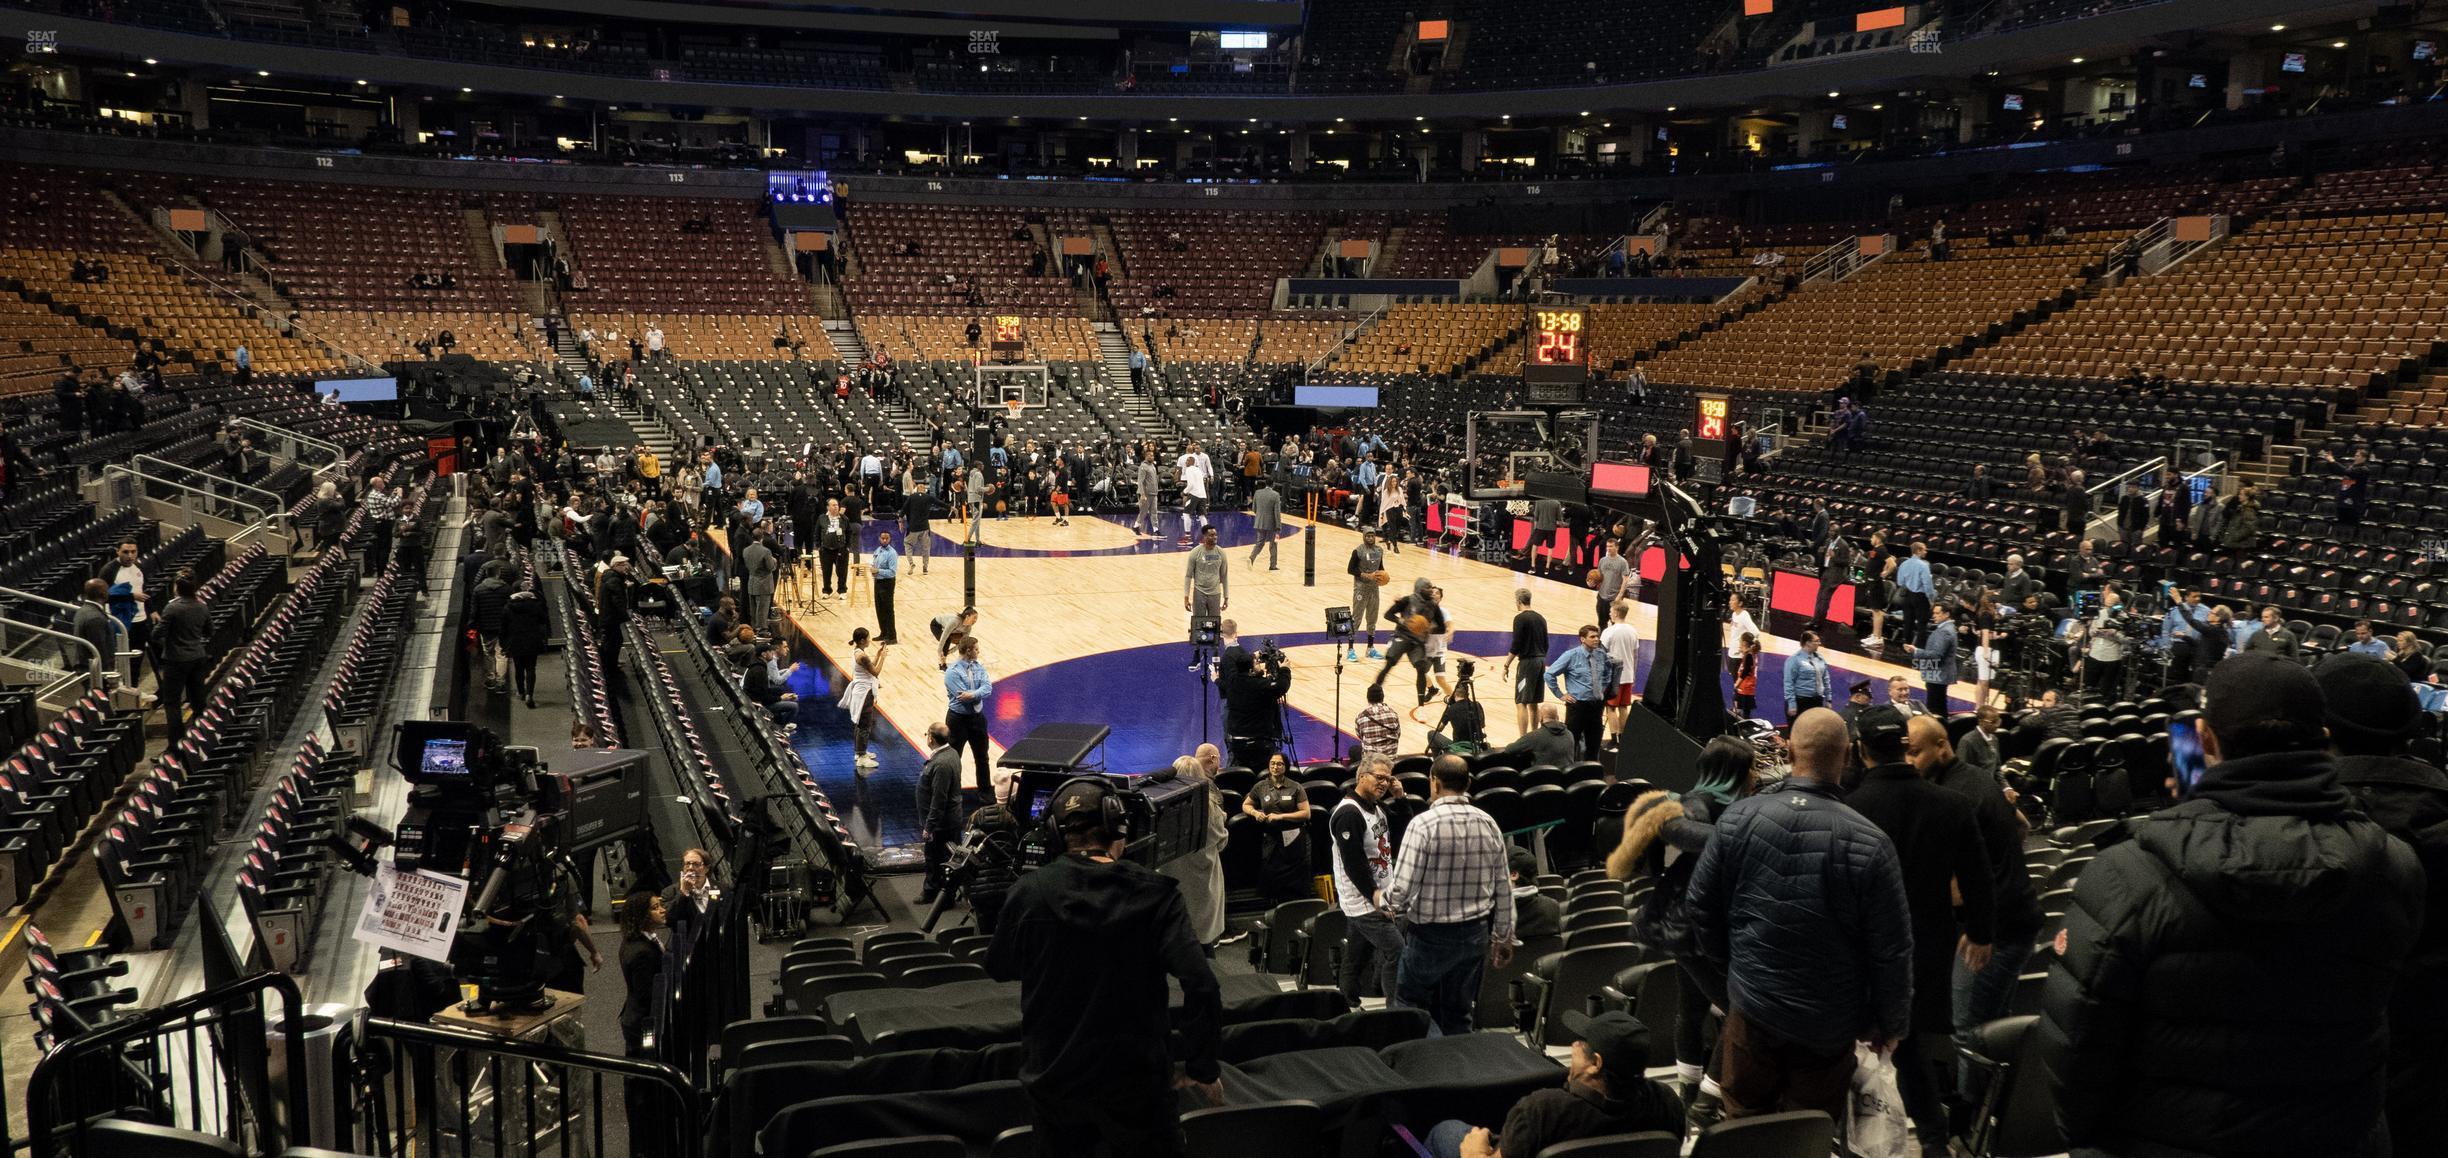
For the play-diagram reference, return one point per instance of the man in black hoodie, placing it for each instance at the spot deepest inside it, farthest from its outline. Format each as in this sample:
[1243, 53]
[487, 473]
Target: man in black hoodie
[2221, 986]
[1091, 938]
[2372, 711]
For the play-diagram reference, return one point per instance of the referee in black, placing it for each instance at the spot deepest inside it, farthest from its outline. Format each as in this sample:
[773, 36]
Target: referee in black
[1091, 938]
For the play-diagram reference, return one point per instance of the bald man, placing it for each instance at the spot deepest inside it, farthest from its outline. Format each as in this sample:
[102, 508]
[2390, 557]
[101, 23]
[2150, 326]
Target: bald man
[1801, 900]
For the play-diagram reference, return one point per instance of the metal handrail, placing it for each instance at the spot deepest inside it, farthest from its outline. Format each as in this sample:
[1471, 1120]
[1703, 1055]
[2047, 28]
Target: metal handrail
[1350, 336]
[67, 675]
[116, 470]
[2150, 469]
[337, 451]
[119, 662]
[217, 480]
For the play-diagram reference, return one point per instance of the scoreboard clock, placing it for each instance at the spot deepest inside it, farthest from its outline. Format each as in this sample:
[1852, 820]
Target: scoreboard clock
[1556, 366]
[1008, 338]
[1711, 424]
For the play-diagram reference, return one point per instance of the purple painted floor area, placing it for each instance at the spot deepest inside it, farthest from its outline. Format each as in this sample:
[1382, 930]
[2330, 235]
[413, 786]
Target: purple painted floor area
[1232, 528]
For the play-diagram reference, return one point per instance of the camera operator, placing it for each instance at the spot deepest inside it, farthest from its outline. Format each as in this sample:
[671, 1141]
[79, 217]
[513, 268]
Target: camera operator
[1091, 938]
[2104, 659]
[1253, 686]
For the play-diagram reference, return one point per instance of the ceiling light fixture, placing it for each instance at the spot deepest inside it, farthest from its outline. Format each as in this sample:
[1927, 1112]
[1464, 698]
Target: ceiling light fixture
[2277, 27]
[150, 60]
[2078, 60]
[260, 72]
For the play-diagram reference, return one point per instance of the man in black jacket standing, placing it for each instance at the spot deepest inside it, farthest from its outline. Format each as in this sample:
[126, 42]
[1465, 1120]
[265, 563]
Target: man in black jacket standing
[1981, 994]
[485, 607]
[2371, 713]
[1091, 938]
[1835, 570]
[2221, 986]
[938, 806]
[185, 639]
[612, 613]
[1938, 847]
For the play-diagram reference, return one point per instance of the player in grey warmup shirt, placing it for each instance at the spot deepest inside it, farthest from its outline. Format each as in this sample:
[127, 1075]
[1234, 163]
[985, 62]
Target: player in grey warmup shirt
[1612, 571]
[1204, 593]
[1366, 557]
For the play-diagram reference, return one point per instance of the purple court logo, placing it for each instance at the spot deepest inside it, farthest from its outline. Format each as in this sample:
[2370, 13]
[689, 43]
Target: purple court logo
[42, 41]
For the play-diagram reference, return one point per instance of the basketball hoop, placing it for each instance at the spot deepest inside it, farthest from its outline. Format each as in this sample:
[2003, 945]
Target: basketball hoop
[1013, 405]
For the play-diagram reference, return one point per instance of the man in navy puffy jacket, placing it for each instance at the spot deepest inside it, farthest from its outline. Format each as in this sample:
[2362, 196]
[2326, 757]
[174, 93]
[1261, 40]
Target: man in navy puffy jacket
[1802, 900]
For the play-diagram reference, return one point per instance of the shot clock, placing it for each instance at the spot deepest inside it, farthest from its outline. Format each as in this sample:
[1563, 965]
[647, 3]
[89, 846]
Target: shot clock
[1008, 337]
[1556, 366]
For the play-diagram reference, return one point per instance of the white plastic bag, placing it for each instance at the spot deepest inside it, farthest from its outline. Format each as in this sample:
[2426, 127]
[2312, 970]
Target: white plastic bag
[1875, 1125]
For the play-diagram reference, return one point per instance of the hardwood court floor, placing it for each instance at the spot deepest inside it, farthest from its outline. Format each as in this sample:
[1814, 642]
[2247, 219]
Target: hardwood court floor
[1085, 623]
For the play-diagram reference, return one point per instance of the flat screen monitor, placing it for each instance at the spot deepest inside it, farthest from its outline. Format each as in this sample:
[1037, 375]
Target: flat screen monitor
[2425, 49]
[2291, 62]
[1336, 397]
[2012, 103]
[2198, 80]
[443, 757]
[360, 389]
[1622, 480]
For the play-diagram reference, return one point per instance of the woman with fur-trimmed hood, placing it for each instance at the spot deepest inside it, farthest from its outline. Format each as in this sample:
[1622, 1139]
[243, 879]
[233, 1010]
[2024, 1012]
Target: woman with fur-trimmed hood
[1663, 836]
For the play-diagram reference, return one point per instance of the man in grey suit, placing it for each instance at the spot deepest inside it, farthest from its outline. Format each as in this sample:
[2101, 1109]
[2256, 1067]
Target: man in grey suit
[1266, 521]
[758, 566]
[1149, 486]
[938, 806]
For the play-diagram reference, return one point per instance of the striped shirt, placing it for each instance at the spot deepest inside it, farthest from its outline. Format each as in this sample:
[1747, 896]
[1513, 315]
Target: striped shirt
[1452, 868]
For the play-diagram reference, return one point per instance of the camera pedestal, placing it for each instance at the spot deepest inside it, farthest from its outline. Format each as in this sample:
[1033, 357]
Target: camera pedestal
[507, 1099]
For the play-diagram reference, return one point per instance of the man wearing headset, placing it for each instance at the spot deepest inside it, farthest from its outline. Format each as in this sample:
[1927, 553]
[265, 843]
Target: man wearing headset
[1091, 938]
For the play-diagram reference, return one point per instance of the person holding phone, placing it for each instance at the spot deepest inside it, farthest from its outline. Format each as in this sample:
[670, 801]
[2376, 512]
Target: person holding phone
[2266, 887]
[687, 901]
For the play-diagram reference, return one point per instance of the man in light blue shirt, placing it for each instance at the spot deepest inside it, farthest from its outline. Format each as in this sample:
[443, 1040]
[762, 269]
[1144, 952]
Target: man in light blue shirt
[753, 507]
[1587, 676]
[1920, 590]
[1365, 475]
[966, 687]
[1807, 683]
[950, 475]
[2176, 636]
[887, 565]
[2367, 643]
[713, 483]
[245, 361]
[1138, 369]
[586, 387]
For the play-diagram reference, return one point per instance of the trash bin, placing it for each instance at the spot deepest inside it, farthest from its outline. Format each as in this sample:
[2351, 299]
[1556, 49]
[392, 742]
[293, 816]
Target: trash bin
[320, 1026]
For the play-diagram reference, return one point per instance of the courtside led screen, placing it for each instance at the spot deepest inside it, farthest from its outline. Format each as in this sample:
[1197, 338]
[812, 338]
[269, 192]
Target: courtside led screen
[1336, 397]
[1619, 480]
[361, 389]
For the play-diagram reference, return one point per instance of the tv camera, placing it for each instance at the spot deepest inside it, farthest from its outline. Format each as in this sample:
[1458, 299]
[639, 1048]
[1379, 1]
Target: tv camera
[499, 818]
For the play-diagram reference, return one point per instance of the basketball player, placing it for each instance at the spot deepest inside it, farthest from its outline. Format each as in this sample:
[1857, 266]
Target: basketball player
[1195, 475]
[1416, 617]
[1149, 486]
[1366, 560]
[1528, 651]
[1622, 643]
[1205, 593]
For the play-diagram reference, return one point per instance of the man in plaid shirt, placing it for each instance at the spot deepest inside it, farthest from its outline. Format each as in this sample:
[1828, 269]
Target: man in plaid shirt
[382, 507]
[1451, 886]
[1379, 728]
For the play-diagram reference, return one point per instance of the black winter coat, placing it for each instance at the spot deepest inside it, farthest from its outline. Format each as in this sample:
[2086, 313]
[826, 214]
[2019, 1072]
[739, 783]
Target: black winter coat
[2226, 971]
[2410, 800]
[1801, 899]
[1939, 847]
[486, 604]
[1658, 822]
[525, 626]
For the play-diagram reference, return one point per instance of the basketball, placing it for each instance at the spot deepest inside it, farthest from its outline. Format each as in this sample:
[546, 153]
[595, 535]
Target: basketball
[1418, 625]
[998, 506]
[1379, 578]
[1593, 578]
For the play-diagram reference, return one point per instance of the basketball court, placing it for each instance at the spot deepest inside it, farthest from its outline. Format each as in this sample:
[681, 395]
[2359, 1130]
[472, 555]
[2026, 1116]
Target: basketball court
[1086, 623]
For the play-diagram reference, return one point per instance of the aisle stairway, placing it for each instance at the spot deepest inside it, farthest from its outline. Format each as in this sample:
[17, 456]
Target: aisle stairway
[849, 351]
[1113, 351]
